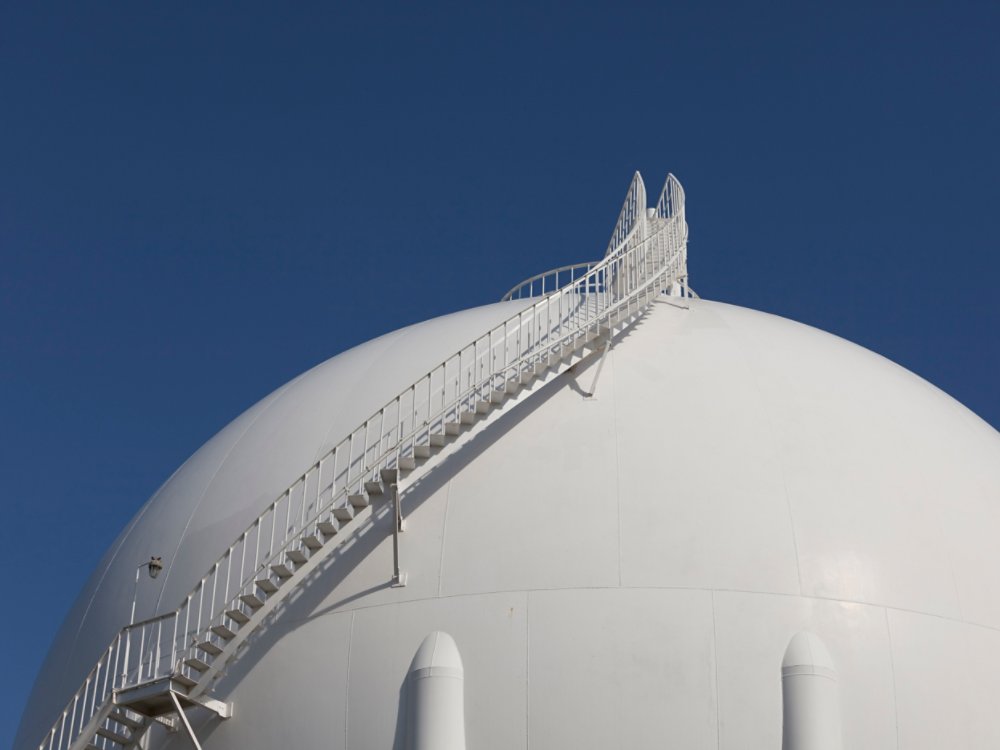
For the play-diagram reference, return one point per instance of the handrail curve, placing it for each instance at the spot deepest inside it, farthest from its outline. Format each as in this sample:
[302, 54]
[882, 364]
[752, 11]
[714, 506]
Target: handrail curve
[527, 289]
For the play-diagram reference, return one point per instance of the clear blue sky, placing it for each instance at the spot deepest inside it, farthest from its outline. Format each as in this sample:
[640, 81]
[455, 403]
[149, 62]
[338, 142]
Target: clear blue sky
[198, 203]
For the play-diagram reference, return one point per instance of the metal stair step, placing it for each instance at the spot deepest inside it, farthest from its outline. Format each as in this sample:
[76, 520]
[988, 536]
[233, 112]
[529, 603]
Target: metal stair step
[407, 463]
[513, 385]
[183, 679]
[438, 441]
[121, 739]
[498, 396]
[422, 451]
[266, 584]
[238, 615]
[373, 487]
[389, 476]
[224, 631]
[468, 417]
[327, 527]
[358, 501]
[282, 570]
[452, 428]
[252, 600]
[297, 556]
[195, 663]
[312, 541]
[344, 513]
[483, 407]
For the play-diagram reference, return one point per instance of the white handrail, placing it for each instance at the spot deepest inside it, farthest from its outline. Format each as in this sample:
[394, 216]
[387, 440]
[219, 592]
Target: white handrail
[541, 284]
[631, 214]
[648, 257]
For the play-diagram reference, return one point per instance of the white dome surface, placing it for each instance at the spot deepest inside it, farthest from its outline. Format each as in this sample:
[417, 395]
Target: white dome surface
[618, 571]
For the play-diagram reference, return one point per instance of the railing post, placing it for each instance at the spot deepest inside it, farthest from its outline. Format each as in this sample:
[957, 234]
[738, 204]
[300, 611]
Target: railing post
[97, 682]
[173, 643]
[72, 714]
[215, 583]
[128, 647]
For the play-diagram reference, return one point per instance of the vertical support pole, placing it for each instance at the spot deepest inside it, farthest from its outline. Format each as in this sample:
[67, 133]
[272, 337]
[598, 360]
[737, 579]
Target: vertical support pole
[398, 577]
[600, 365]
[184, 720]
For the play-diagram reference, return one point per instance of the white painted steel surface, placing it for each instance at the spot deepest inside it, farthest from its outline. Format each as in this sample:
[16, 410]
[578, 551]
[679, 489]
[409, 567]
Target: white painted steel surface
[624, 570]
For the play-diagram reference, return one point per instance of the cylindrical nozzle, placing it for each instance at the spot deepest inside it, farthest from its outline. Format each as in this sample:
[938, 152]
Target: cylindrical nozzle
[809, 693]
[437, 704]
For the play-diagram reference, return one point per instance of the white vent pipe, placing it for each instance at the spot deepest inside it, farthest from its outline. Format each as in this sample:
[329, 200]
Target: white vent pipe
[810, 698]
[437, 704]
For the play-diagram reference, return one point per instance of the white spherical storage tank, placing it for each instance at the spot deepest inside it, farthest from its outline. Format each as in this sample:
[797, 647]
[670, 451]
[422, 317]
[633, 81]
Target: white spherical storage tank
[623, 517]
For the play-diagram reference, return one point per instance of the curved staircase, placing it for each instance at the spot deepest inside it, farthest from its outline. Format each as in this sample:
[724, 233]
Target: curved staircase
[153, 670]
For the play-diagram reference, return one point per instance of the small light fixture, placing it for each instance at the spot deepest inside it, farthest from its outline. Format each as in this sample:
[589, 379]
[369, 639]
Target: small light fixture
[155, 565]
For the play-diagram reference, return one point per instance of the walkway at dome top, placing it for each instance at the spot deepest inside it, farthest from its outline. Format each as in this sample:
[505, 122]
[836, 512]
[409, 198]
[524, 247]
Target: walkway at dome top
[185, 648]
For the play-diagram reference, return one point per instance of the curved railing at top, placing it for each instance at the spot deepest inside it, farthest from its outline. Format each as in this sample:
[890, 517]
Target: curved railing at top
[647, 255]
[632, 221]
[632, 213]
[549, 281]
